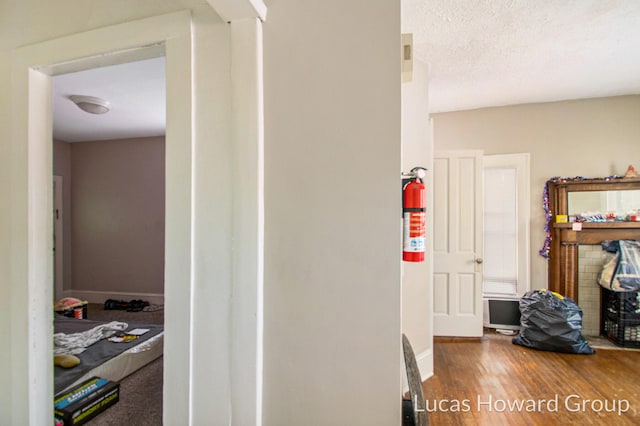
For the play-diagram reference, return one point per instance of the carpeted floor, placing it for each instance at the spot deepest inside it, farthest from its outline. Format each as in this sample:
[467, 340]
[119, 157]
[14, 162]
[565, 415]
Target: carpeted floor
[140, 393]
[140, 399]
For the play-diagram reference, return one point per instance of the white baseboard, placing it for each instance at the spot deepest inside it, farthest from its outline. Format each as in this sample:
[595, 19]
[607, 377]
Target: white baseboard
[101, 296]
[425, 365]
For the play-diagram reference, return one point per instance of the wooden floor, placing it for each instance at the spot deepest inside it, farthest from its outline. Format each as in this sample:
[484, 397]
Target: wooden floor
[475, 381]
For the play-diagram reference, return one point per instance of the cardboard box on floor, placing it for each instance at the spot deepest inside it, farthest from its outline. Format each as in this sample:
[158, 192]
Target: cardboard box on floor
[82, 403]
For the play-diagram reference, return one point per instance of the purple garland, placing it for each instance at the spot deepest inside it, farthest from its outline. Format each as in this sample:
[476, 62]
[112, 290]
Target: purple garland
[548, 214]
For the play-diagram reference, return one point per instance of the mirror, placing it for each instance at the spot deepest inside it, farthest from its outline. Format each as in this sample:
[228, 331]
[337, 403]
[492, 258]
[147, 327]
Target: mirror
[620, 203]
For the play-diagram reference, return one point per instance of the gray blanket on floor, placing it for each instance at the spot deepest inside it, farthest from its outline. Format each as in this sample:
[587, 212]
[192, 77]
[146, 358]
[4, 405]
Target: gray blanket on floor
[97, 353]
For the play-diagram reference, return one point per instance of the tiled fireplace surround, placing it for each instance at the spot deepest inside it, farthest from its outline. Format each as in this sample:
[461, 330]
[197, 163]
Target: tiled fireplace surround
[591, 258]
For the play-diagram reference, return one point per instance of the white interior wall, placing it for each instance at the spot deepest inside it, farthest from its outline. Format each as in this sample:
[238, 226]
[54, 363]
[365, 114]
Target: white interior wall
[332, 350]
[6, 322]
[352, 283]
[417, 279]
[248, 188]
[180, 216]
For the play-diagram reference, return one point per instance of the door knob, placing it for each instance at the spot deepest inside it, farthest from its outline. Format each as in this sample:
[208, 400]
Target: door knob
[479, 260]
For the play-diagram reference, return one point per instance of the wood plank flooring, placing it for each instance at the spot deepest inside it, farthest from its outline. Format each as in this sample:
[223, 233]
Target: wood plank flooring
[475, 380]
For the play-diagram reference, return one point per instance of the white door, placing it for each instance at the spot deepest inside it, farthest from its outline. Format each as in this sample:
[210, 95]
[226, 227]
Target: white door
[457, 243]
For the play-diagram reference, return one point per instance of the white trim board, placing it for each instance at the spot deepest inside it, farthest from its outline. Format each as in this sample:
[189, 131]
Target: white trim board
[425, 366]
[234, 10]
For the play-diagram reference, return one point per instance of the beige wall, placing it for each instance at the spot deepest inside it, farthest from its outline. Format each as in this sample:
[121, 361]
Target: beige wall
[24, 23]
[117, 211]
[591, 138]
[332, 213]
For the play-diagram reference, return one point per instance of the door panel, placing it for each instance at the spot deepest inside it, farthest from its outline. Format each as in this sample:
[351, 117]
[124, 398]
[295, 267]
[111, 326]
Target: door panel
[440, 294]
[465, 214]
[440, 205]
[457, 243]
[466, 296]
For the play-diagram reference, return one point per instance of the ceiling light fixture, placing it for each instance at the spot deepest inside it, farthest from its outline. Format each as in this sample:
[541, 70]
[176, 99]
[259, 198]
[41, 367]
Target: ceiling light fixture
[91, 104]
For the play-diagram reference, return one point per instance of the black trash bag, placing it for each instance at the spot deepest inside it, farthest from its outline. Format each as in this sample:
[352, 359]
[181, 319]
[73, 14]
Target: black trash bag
[551, 323]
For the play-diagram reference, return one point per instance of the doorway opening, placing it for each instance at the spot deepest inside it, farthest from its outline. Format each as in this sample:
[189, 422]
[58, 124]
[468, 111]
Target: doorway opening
[201, 126]
[109, 251]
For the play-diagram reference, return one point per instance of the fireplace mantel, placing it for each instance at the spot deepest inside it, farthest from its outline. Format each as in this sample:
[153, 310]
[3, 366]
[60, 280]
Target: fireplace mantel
[563, 250]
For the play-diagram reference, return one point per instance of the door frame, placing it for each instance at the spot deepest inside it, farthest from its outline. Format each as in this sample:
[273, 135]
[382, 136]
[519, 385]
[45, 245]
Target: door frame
[188, 41]
[32, 70]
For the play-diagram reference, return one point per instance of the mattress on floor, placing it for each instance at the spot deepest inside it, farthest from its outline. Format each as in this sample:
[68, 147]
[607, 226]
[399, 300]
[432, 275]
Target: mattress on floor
[113, 361]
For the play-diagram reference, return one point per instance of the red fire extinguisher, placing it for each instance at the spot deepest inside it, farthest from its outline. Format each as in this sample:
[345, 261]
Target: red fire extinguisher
[414, 217]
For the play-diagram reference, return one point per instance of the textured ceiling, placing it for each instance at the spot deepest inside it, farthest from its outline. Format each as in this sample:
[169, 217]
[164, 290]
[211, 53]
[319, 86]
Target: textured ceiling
[502, 52]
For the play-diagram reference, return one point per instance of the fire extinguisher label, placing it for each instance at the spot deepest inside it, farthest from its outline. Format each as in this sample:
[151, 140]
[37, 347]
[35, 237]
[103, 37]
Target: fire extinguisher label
[414, 232]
